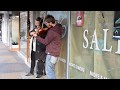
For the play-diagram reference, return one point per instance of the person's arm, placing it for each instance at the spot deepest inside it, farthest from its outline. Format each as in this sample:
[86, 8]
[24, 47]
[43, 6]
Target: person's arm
[50, 36]
[31, 32]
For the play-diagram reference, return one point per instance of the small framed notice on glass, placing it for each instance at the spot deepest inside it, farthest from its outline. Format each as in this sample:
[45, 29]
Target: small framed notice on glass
[79, 18]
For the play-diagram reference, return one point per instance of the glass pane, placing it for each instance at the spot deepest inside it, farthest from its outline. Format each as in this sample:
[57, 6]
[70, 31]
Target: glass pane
[106, 62]
[0, 30]
[81, 59]
[10, 32]
[88, 61]
[15, 31]
[23, 32]
[61, 17]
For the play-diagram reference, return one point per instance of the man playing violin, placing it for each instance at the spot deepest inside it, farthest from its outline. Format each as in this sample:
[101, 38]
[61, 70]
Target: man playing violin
[53, 45]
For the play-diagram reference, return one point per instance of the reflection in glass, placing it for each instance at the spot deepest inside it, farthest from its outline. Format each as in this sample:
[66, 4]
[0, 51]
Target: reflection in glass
[23, 32]
[15, 30]
[116, 29]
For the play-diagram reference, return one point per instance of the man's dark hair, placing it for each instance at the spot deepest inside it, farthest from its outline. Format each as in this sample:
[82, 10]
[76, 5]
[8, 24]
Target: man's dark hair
[44, 26]
[50, 18]
[40, 20]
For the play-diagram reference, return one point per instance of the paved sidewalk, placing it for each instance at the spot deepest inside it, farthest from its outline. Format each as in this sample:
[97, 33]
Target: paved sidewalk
[12, 66]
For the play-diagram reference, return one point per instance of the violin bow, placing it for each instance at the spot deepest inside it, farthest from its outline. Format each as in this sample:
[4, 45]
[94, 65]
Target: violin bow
[43, 18]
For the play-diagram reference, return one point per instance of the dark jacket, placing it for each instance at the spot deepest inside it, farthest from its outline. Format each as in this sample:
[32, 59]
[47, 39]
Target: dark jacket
[40, 49]
[52, 40]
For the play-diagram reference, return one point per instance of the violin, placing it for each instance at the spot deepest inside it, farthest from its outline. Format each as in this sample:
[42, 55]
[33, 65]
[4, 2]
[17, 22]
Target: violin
[42, 30]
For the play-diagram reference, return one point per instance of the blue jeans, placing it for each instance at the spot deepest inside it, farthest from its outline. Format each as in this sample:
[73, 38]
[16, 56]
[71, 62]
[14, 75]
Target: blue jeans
[50, 67]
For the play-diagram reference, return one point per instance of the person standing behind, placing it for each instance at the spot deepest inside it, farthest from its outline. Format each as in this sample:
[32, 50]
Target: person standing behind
[38, 50]
[53, 45]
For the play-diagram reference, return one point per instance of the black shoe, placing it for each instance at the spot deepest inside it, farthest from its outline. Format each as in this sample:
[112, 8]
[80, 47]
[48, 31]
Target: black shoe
[44, 73]
[39, 76]
[29, 74]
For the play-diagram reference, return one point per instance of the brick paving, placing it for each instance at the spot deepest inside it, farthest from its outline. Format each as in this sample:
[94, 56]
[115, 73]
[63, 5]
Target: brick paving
[12, 66]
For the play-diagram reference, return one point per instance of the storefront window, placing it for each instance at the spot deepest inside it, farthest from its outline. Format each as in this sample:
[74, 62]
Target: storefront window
[23, 32]
[0, 27]
[81, 59]
[62, 18]
[93, 52]
[15, 31]
[10, 33]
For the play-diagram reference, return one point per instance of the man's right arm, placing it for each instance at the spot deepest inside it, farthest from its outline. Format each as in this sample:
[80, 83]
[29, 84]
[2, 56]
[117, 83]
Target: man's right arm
[50, 36]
